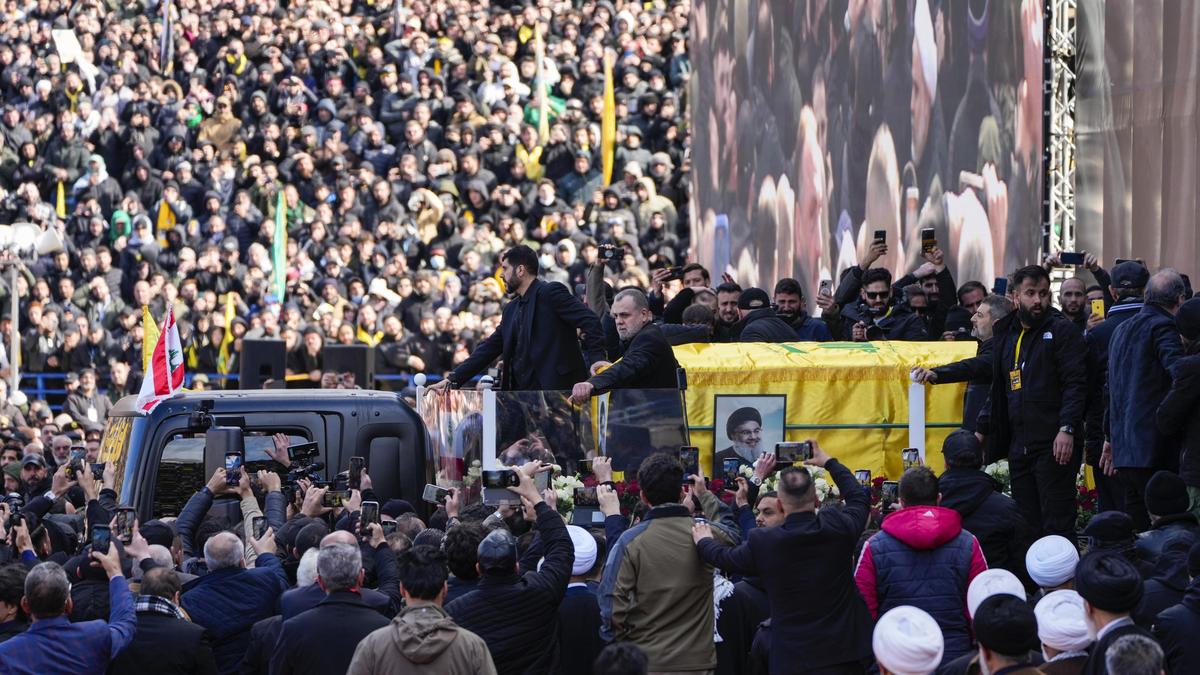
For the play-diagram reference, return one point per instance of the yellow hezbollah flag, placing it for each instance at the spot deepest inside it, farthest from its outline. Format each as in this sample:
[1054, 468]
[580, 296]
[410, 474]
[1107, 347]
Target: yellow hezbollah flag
[149, 337]
[60, 201]
[851, 397]
[166, 217]
[227, 341]
[608, 123]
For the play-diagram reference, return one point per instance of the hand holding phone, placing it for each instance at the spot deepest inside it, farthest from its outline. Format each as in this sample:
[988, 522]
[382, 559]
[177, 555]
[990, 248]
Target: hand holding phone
[124, 524]
[355, 475]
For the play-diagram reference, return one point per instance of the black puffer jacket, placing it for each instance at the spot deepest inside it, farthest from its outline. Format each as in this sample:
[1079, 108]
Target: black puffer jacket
[992, 517]
[1177, 414]
[763, 325]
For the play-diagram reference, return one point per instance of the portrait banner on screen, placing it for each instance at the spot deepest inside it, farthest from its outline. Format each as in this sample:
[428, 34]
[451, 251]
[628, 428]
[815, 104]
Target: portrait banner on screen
[817, 124]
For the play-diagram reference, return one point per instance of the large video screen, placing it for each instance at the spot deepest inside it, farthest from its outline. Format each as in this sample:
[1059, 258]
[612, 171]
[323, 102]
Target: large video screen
[816, 124]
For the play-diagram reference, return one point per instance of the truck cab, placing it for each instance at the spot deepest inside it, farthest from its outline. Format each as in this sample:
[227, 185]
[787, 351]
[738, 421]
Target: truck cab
[161, 459]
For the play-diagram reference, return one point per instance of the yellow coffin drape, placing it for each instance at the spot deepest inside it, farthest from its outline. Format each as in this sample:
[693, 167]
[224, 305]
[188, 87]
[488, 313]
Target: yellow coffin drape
[851, 397]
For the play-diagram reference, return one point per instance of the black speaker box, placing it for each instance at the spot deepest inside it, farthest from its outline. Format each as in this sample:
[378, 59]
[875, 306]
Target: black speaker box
[357, 359]
[261, 360]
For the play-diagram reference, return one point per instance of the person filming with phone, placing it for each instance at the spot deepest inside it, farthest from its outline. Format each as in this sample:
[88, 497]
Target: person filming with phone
[808, 550]
[511, 604]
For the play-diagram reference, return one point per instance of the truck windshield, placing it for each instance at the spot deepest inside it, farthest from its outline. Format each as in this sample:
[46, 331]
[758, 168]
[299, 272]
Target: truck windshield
[181, 469]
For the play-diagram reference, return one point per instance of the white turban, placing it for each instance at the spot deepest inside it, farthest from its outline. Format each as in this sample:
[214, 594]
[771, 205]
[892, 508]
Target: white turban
[1051, 561]
[585, 550]
[1061, 625]
[907, 641]
[992, 582]
[923, 31]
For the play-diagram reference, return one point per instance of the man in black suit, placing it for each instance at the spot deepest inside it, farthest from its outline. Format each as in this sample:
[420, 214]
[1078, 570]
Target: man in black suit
[537, 334]
[647, 361]
[808, 551]
[323, 639]
[1111, 588]
[165, 642]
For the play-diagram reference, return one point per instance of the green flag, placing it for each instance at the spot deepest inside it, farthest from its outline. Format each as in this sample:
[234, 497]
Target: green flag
[279, 249]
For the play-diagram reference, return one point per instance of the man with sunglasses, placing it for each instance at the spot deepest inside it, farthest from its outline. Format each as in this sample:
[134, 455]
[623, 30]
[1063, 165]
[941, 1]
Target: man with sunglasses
[875, 317]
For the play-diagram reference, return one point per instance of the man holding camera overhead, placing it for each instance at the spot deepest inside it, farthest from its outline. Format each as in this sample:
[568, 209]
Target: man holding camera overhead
[537, 338]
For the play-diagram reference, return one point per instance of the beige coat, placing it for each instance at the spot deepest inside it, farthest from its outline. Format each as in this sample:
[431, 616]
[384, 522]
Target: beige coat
[422, 639]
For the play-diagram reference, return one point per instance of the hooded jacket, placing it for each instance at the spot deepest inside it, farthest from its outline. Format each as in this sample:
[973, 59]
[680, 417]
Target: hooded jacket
[992, 517]
[422, 639]
[1176, 630]
[1176, 415]
[923, 557]
[763, 325]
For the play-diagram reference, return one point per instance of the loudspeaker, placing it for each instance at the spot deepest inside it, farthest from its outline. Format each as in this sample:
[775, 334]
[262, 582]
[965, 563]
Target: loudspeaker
[261, 360]
[357, 359]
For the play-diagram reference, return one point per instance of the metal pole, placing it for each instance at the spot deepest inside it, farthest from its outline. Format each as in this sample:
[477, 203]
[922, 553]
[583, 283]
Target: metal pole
[14, 354]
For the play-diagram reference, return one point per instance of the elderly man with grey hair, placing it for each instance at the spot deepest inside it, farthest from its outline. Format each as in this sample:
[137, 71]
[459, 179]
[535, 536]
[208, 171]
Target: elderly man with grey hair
[55, 645]
[1141, 355]
[230, 598]
[323, 639]
[647, 360]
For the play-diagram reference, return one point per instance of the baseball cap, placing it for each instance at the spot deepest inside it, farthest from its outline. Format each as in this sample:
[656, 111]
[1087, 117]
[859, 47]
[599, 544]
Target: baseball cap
[754, 298]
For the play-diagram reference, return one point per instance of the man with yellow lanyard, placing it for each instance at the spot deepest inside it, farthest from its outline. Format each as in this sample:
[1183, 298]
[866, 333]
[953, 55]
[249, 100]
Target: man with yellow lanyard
[1039, 390]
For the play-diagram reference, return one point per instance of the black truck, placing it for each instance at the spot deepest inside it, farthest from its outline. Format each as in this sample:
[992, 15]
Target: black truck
[161, 458]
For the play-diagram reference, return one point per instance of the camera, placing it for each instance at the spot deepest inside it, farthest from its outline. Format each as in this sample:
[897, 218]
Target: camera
[608, 252]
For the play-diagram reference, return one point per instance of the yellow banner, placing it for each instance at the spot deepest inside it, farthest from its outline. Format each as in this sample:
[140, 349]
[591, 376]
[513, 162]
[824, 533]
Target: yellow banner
[852, 398]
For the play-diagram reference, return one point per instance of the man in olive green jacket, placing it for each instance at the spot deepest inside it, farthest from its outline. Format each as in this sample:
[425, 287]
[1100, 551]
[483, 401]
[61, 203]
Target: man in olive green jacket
[656, 592]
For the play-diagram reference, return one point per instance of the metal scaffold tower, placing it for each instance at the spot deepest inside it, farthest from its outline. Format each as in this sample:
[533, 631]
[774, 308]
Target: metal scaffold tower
[1061, 105]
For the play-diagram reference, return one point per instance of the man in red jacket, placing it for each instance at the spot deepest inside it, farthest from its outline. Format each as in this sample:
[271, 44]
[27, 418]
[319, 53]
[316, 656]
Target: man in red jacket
[923, 557]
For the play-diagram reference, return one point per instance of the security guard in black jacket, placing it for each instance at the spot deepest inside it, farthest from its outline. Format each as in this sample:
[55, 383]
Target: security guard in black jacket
[1039, 391]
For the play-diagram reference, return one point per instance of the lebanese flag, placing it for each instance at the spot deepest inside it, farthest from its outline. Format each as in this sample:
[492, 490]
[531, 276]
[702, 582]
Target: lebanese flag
[164, 375]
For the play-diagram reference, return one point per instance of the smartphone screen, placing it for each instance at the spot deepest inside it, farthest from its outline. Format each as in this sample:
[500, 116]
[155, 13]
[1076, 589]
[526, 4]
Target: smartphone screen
[333, 499]
[259, 526]
[434, 494]
[356, 469]
[233, 466]
[370, 514]
[910, 457]
[864, 477]
[890, 492]
[101, 538]
[788, 453]
[125, 517]
[689, 456]
[729, 472]
[586, 497]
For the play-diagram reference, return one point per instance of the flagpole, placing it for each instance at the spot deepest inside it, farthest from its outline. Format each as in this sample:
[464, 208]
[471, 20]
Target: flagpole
[14, 356]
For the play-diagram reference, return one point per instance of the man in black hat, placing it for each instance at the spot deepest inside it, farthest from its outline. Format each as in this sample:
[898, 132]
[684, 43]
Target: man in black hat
[1176, 414]
[1141, 354]
[759, 323]
[1111, 589]
[35, 476]
[1128, 287]
[510, 605]
[1170, 519]
[744, 428]
[987, 513]
[1007, 631]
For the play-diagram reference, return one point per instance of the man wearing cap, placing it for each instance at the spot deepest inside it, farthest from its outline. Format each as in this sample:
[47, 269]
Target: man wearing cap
[1128, 287]
[1141, 355]
[1007, 630]
[1111, 589]
[35, 477]
[548, 358]
[1170, 519]
[1177, 413]
[759, 323]
[987, 513]
[510, 606]
[907, 640]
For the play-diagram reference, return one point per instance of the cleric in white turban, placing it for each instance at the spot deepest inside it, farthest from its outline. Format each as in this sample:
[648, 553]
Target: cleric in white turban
[1062, 629]
[907, 641]
[1051, 562]
[992, 582]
